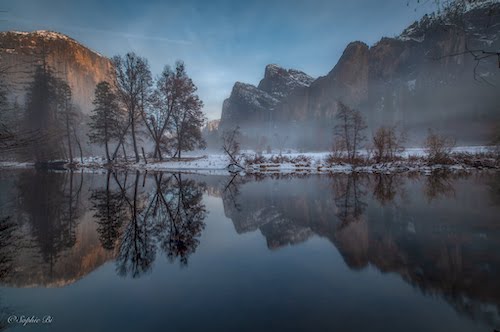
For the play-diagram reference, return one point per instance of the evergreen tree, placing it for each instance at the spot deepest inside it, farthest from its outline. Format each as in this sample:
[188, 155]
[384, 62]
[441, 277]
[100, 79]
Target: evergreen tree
[105, 121]
[66, 113]
[41, 116]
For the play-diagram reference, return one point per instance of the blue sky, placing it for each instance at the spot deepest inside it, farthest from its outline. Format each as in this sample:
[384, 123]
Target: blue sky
[220, 41]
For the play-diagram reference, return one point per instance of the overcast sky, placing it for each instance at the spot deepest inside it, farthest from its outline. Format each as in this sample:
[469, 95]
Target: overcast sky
[220, 41]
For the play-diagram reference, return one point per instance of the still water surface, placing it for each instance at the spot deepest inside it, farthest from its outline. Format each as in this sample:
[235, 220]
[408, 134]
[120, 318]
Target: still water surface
[177, 252]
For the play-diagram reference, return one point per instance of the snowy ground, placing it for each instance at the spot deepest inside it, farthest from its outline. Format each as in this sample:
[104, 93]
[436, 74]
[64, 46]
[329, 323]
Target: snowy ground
[217, 163]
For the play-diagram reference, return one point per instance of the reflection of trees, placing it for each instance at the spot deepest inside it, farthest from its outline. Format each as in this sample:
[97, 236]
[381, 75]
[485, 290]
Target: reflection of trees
[110, 210]
[136, 251]
[387, 187]
[181, 226]
[494, 188]
[169, 216]
[349, 195]
[439, 184]
[232, 191]
[52, 205]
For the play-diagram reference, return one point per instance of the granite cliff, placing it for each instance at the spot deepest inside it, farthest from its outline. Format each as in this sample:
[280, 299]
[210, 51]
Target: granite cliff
[79, 66]
[423, 78]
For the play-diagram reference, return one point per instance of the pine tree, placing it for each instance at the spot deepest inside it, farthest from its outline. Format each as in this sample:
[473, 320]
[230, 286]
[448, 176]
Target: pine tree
[106, 118]
[66, 113]
[41, 116]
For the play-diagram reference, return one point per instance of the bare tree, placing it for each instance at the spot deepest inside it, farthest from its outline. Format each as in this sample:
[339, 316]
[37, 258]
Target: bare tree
[133, 79]
[187, 118]
[388, 143]
[231, 146]
[158, 117]
[349, 130]
[438, 147]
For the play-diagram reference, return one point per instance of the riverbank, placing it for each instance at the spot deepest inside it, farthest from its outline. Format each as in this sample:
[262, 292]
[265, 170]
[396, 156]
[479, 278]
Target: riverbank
[411, 160]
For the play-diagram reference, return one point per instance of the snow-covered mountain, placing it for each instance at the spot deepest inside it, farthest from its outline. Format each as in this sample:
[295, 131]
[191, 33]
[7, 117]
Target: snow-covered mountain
[249, 105]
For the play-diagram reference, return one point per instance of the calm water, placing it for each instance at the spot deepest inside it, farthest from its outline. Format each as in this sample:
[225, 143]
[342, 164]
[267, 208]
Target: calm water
[172, 252]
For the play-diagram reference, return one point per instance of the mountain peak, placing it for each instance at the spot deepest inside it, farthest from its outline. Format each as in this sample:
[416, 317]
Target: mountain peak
[47, 35]
[40, 33]
[280, 82]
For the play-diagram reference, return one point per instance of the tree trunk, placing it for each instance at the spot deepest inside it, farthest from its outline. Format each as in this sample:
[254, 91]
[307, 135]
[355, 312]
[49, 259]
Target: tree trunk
[144, 155]
[134, 141]
[79, 145]
[120, 141]
[124, 152]
[179, 147]
[68, 134]
[107, 151]
[106, 139]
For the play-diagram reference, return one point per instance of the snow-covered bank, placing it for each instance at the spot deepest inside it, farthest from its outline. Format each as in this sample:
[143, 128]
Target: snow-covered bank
[412, 160]
[15, 164]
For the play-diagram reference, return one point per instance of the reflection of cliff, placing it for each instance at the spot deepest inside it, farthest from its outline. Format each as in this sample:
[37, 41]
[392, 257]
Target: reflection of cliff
[61, 226]
[437, 242]
[30, 270]
[52, 233]
[283, 210]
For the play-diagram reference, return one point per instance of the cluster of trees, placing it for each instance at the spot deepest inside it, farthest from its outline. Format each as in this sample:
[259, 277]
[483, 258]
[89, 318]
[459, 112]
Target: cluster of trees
[130, 106]
[46, 129]
[387, 143]
[51, 116]
[169, 217]
[167, 110]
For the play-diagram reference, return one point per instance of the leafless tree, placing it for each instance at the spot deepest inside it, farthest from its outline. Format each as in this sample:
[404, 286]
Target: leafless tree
[158, 117]
[133, 80]
[388, 143]
[438, 147]
[231, 146]
[187, 117]
[349, 130]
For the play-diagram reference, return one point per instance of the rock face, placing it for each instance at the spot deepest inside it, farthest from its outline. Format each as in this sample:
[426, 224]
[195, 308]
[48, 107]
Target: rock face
[280, 83]
[211, 134]
[414, 80]
[250, 107]
[79, 66]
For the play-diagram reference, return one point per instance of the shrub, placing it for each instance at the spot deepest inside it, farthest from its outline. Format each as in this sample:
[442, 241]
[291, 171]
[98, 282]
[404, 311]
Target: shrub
[438, 148]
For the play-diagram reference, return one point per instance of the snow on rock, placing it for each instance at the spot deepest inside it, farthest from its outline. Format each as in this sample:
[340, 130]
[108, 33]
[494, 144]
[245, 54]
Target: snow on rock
[280, 82]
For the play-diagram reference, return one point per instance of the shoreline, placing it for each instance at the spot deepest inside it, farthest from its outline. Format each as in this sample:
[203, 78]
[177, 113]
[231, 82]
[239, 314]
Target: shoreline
[463, 160]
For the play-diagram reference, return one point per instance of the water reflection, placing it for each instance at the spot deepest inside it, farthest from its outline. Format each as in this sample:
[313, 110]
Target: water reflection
[440, 233]
[437, 232]
[49, 206]
[162, 210]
